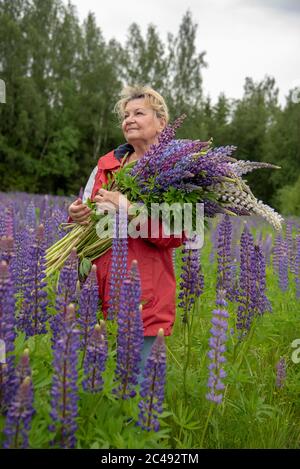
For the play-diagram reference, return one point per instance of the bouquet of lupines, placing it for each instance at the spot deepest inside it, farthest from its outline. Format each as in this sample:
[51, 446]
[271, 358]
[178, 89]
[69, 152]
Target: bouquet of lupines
[171, 172]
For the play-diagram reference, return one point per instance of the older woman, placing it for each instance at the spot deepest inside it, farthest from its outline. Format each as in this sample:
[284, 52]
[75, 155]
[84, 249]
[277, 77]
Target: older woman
[144, 115]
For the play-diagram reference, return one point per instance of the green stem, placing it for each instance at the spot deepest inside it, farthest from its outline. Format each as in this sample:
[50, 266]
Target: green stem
[187, 348]
[210, 411]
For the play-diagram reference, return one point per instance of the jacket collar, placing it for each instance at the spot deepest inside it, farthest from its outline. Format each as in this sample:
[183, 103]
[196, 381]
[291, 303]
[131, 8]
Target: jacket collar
[113, 159]
[122, 150]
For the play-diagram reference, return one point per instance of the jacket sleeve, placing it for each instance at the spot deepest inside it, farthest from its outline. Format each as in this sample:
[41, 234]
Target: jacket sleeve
[159, 238]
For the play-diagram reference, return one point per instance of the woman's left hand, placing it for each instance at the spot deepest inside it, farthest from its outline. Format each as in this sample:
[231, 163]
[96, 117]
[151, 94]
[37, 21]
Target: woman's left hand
[111, 200]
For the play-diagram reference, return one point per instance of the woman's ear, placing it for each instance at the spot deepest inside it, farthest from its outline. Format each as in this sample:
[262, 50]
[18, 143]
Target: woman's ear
[162, 123]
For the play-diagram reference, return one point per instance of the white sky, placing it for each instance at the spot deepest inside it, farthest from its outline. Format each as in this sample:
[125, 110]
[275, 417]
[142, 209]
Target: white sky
[241, 37]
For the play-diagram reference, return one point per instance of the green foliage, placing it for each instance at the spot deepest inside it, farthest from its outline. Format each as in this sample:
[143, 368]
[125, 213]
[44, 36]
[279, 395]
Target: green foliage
[254, 412]
[62, 81]
[288, 199]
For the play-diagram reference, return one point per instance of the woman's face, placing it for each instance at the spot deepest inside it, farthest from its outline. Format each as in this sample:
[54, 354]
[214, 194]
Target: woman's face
[141, 124]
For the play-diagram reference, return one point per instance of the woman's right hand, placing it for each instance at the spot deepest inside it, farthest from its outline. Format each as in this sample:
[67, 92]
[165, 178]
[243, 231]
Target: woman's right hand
[79, 212]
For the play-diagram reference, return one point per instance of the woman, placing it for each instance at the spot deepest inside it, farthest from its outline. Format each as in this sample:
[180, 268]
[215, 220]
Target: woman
[144, 115]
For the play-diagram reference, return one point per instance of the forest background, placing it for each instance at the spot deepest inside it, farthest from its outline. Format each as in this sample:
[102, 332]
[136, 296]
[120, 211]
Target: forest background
[62, 81]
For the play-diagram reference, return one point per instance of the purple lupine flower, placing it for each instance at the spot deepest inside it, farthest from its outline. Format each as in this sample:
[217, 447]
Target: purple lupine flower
[277, 252]
[95, 359]
[280, 372]
[297, 266]
[178, 158]
[7, 249]
[64, 391]
[19, 416]
[33, 317]
[153, 385]
[290, 245]
[283, 269]
[9, 221]
[247, 283]
[88, 307]
[57, 218]
[118, 263]
[66, 292]
[7, 333]
[22, 370]
[130, 335]
[262, 302]
[217, 349]
[191, 286]
[22, 245]
[143, 167]
[225, 263]
[30, 216]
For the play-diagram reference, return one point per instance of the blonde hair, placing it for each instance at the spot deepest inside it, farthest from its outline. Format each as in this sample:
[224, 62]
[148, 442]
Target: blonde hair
[152, 99]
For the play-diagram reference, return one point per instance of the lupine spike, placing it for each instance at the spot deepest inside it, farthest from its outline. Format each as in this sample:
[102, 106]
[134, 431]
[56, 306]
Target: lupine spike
[66, 292]
[217, 348]
[261, 300]
[130, 336]
[225, 263]
[64, 391]
[290, 245]
[153, 385]
[95, 359]
[118, 264]
[247, 283]
[191, 286]
[34, 315]
[88, 307]
[19, 416]
[7, 332]
[283, 267]
[297, 266]
[281, 372]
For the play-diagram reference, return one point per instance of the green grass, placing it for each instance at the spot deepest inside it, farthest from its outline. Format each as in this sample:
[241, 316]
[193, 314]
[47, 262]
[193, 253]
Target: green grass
[253, 414]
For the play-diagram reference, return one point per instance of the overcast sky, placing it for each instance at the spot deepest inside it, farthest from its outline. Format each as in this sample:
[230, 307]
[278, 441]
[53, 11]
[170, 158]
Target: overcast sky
[241, 37]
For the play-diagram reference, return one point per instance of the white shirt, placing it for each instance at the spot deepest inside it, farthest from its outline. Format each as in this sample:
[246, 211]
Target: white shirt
[89, 186]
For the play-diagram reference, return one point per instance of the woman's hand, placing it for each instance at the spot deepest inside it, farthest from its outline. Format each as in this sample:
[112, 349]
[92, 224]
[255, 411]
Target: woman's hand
[79, 212]
[111, 200]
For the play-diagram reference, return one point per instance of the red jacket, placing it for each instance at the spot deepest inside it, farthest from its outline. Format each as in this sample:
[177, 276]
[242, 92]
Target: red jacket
[154, 256]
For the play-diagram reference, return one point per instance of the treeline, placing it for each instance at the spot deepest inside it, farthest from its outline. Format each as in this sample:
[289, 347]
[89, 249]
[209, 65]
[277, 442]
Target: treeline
[63, 80]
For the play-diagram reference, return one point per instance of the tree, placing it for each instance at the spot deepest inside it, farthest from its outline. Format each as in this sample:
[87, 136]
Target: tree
[184, 84]
[252, 118]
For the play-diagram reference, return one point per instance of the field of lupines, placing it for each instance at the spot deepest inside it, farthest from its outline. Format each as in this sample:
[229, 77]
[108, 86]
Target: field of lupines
[224, 379]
